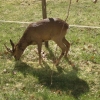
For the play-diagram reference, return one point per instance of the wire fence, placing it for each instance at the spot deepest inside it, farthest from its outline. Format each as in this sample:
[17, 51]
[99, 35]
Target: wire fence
[19, 22]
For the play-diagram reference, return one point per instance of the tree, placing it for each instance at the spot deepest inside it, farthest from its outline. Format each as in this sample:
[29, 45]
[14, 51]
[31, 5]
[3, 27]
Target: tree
[44, 14]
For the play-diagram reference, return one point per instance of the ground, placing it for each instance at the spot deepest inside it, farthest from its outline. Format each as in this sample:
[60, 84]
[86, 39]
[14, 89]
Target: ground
[76, 78]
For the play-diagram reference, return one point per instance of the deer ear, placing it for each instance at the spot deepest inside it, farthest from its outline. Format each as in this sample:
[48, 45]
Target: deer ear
[12, 44]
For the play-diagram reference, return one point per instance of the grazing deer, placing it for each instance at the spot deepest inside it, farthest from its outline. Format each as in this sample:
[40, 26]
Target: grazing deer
[42, 31]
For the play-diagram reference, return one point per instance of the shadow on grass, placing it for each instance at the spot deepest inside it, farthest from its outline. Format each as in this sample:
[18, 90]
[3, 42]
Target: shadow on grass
[63, 82]
[51, 54]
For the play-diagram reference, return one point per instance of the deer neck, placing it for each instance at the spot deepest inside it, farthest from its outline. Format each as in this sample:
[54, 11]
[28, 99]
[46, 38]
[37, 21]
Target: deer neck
[22, 44]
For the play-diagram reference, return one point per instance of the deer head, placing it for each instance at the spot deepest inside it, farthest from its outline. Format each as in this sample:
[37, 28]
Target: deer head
[16, 51]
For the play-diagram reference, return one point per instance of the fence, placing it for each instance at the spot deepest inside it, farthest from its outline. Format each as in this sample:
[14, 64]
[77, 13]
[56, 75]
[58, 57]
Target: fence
[19, 22]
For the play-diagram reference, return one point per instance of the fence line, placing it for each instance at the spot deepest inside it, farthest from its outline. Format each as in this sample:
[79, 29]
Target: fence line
[82, 26]
[19, 22]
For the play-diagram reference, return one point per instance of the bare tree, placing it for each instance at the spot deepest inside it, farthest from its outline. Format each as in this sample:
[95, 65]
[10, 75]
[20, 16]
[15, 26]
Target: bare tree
[44, 9]
[44, 14]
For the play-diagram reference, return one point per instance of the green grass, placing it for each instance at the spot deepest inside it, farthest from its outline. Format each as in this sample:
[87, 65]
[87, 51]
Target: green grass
[26, 79]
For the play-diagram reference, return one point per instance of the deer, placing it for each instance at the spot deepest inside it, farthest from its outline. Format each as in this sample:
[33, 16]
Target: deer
[44, 30]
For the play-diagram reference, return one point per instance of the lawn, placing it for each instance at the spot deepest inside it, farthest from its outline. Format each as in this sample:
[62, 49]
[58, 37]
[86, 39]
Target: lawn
[75, 79]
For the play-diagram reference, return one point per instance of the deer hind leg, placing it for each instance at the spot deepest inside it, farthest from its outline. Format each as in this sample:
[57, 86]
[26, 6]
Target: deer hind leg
[63, 48]
[46, 44]
[67, 44]
[39, 51]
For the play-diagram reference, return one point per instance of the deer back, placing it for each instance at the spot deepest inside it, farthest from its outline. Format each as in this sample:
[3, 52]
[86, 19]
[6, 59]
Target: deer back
[46, 29]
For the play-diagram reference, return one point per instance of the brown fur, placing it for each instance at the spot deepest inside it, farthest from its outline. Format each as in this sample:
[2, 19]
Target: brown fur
[41, 31]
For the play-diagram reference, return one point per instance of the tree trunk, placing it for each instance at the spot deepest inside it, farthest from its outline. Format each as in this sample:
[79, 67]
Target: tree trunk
[44, 14]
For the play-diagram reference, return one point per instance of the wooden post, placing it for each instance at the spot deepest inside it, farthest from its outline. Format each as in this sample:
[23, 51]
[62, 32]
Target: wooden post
[44, 9]
[44, 14]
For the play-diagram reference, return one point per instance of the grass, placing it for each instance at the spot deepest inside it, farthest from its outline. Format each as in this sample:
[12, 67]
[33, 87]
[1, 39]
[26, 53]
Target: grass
[26, 79]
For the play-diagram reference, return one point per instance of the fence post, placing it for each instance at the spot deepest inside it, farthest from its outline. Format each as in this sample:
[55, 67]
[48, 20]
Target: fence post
[44, 14]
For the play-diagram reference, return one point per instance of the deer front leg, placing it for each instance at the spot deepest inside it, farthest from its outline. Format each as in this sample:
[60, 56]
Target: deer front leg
[39, 51]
